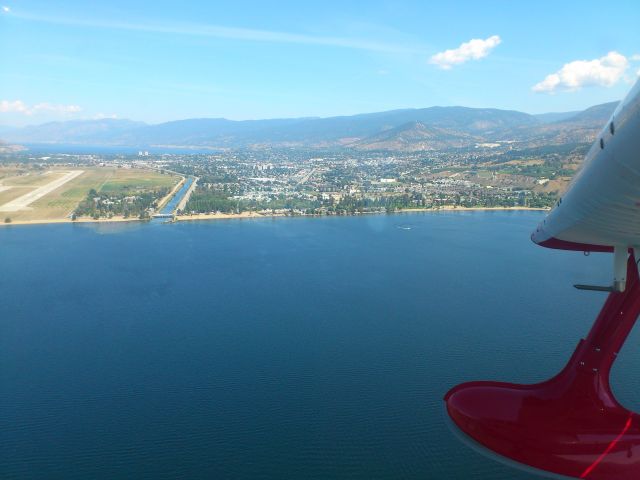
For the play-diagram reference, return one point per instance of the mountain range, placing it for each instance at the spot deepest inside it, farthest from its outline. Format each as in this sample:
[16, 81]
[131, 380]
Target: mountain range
[433, 128]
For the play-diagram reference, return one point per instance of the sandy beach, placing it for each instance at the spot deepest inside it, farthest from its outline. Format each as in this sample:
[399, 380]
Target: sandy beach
[230, 216]
[68, 220]
[452, 208]
[448, 208]
[222, 216]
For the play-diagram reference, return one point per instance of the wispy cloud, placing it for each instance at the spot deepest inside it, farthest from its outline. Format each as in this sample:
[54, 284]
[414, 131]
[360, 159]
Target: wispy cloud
[102, 116]
[231, 33]
[474, 49]
[604, 71]
[18, 106]
[5, 9]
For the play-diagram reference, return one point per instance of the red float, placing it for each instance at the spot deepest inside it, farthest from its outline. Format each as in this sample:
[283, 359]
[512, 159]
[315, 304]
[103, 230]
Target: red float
[569, 425]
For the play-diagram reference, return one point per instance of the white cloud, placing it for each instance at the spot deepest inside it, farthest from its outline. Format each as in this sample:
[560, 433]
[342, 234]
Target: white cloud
[635, 58]
[101, 116]
[18, 106]
[472, 50]
[48, 107]
[5, 9]
[605, 71]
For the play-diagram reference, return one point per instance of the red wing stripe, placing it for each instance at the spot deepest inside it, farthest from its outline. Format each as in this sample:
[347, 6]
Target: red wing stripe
[608, 449]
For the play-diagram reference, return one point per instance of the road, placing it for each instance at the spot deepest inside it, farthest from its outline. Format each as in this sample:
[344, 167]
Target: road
[306, 178]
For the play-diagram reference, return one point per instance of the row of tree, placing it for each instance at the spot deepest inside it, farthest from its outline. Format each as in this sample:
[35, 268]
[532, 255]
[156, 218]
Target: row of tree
[102, 205]
[205, 200]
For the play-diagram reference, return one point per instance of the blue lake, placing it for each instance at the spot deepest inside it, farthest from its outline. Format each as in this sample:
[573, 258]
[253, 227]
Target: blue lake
[277, 348]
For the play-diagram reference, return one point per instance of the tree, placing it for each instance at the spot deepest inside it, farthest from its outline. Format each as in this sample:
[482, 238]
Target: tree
[7, 220]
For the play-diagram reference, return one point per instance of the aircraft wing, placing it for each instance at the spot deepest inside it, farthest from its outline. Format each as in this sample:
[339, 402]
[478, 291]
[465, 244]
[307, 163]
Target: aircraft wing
[601, 208]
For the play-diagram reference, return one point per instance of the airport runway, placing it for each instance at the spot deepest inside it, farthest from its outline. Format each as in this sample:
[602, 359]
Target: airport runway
[23, 202]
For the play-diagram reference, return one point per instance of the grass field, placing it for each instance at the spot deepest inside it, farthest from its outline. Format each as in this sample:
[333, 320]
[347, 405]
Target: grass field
[14, 192]
[7, 171]
[33, 178]
[62, 201]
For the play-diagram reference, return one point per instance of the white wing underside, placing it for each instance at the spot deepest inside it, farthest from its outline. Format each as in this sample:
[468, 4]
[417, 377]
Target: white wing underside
[601, 208]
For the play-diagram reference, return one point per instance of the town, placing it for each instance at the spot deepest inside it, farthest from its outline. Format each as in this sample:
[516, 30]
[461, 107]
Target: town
[337, 182]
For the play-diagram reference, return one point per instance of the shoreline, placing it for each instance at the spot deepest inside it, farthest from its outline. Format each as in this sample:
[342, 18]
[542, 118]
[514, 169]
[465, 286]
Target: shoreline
[452, 208]
[244, 215]
[228, 216]
[224, 216]
[68, 220]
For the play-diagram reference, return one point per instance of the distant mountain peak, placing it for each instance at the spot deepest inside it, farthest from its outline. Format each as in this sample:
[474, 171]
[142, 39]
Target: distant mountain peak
[598, 113]
[415, 135]
[407, 129]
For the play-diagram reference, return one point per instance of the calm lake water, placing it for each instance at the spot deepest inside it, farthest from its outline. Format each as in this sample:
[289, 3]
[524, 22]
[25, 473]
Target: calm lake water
[277, 348]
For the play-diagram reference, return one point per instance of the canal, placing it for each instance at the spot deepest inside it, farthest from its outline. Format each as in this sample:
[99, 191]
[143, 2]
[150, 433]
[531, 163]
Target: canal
[172, 204]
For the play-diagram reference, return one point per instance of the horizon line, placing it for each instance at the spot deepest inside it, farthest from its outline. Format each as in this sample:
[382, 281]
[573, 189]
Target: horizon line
[310, 117]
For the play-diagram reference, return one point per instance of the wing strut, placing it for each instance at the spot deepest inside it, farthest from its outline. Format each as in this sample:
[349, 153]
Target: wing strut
[620, 256]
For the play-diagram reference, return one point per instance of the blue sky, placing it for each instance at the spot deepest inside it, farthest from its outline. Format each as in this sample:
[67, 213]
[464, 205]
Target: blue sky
[157, 61]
